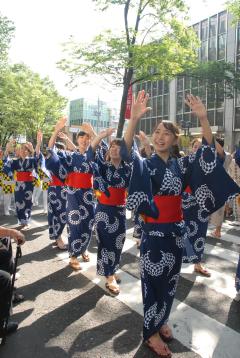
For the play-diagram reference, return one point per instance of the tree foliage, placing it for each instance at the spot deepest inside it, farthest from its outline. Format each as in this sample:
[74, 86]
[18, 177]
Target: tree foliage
[6, 33]
[27, 103]
[153, 45]
[234, 8]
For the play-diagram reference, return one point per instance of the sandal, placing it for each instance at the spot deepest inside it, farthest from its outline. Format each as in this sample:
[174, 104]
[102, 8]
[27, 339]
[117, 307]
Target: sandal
[85, 257]
[74, 264]
[214, 235]
[166, 334]
[204, 272]
[60, 244]
[112, 288]
[157, 351]
[117, 278]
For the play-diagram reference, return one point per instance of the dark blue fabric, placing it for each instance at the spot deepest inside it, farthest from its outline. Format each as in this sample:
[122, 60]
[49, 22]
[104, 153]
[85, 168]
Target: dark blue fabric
[162, 246]
[23, 190]
[237, 280]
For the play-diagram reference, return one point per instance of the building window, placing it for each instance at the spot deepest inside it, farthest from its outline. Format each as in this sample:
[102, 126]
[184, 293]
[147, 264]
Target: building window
[237, 118]
[222, 23]
[211, 115]
[221, 47]
[204, 30]
[212, 50]
[204, 51]
[219, 117]
[213, 26]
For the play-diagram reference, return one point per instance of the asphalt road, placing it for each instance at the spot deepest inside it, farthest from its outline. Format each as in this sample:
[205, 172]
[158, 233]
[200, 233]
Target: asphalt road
[68, 314]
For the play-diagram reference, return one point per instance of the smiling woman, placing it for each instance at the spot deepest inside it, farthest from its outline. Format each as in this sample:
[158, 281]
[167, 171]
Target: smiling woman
[155, 191]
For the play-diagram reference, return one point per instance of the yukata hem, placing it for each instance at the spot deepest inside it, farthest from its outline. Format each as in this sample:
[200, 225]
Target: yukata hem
[24, 222]
[109, 274]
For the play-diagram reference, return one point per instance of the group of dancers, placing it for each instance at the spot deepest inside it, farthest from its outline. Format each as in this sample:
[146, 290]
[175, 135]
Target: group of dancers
[91, 184]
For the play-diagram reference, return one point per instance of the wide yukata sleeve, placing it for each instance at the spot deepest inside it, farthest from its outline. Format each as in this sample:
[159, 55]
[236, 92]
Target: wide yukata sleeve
[140, 196]
[98, 161]
[9, 166]
[58, 163]
[208, 180]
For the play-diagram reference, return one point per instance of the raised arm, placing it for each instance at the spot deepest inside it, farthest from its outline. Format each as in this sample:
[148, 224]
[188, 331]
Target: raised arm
[104, 134]
[145, 143]
[198, 108]
[139, 108]
[58, 127]
[39, 143]
[70, 145]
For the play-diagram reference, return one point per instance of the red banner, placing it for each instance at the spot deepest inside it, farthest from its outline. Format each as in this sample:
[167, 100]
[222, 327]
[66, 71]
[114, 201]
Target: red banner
[129, 103]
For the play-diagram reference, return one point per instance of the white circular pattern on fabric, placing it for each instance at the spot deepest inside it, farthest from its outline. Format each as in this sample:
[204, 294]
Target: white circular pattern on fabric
[52, 197]
[174, 280]
[199, 244]
[58, 204]
[188, 201]
[120, 241]
[156, 269]
[50, 210]
[27, 213]
[20, 206]
[180, 241]
[62, 172]
[151, 313]
[86, 167]
[88, 198]
[63, 218]
[74, 217]
[20, 186]
[203, 215]
[103, 217]
[207, 167]
[202, 194]
[192, 228]
[156, 233]
[83, 212]
[28, 195]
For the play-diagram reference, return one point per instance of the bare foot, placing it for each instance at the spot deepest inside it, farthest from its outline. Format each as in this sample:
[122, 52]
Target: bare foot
[166, 333]
[156, 344]
[74, 263]
[198, 268]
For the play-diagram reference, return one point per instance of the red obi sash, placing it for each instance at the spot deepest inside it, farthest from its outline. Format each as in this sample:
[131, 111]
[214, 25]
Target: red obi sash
[79, 180]
[170, 210]
[117, 196]
[24, 176]
[188, 190]
[56, 182]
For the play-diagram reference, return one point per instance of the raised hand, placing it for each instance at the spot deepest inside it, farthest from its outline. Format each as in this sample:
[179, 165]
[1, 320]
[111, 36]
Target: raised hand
[139, 105]
[143, 138]
[39, 137]
[106, 132]
[61, 124]
[63, 136]
[29, 146]
[87, 127]
[196, 105]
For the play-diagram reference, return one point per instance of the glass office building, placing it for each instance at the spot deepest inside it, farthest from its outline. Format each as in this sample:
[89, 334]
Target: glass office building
[98, 114]
[220, 40]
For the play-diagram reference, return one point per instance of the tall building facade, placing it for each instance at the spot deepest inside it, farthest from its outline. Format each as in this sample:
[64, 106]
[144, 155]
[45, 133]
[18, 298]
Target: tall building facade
[98, 114]
[220, 40]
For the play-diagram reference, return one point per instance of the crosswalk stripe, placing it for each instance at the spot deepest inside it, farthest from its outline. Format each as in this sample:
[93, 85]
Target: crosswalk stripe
[195, 330]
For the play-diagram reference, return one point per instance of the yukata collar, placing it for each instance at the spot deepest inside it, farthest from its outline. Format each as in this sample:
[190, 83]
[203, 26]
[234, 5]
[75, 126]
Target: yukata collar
[170, 160]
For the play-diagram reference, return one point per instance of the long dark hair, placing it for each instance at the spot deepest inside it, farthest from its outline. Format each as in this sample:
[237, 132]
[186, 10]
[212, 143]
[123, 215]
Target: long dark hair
[170, 126]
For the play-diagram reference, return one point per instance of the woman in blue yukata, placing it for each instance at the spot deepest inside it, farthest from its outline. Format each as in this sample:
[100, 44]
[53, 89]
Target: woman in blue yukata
[56, 201]
[76, 169]
[155, 189]
[110, 214]
[24, 168]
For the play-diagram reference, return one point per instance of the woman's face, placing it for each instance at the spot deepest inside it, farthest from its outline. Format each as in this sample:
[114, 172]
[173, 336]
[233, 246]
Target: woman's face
[195, 146]
[23, 151]
[83, 142]
[114, 151]
[163, 139]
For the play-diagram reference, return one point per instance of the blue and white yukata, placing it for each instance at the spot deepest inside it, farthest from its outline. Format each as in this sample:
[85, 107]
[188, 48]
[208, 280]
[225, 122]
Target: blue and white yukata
[80, 203]
[57, 200]
[23, 189]
[110, 218]
[162, 243]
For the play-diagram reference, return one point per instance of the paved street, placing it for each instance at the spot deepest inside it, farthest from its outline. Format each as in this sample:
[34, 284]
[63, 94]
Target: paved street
[68, 314]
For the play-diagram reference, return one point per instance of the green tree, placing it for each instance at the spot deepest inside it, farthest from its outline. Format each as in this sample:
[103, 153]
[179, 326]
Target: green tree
[234, 8]
[27, 103]
[153, 45]
[6, 33]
